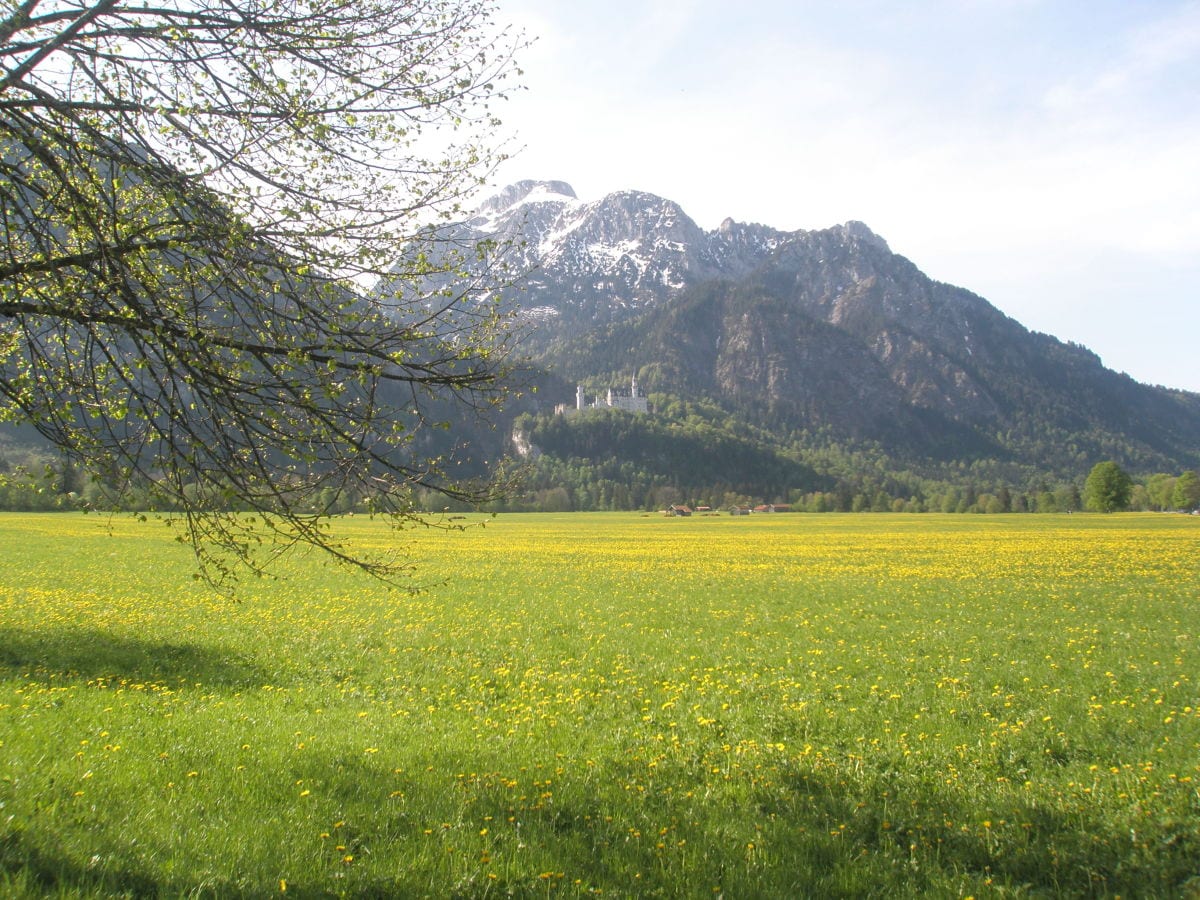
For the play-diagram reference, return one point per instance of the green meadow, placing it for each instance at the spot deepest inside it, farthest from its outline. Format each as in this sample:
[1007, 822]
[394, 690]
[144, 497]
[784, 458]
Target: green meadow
[609, 704]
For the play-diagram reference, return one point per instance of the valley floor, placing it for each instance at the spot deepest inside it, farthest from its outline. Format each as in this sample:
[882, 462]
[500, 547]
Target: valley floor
[609, 704]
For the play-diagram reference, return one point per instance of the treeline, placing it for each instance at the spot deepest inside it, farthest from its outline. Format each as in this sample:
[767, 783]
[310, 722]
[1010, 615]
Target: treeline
[562, 486]
[612, 460]
[554, 485]
[31, 481]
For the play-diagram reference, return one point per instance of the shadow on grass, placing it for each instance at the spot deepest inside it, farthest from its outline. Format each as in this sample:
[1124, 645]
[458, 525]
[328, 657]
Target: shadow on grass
[27, 870]
[803, 834]
[86, 653]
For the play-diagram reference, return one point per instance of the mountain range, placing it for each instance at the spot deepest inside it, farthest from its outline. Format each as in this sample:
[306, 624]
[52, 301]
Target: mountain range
[823, 335]
[776, 364]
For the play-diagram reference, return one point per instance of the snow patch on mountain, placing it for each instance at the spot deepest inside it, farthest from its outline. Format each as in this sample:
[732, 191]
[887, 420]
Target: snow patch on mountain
[631, 249]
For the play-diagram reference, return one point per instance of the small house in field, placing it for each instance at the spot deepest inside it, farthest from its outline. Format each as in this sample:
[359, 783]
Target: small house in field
[739, 510]
[679, 510]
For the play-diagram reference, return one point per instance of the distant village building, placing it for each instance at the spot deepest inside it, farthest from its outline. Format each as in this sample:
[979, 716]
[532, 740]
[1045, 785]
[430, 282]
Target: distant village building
[633, 403]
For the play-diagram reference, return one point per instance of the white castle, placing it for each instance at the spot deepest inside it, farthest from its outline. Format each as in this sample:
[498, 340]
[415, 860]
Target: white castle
[634, 403]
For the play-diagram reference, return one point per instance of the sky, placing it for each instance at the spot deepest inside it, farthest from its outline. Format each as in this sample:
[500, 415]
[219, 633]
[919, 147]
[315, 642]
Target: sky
[1044, 154]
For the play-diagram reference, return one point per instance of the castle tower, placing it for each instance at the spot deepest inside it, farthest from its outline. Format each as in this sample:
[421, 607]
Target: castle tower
[633, 387]
[579, 396]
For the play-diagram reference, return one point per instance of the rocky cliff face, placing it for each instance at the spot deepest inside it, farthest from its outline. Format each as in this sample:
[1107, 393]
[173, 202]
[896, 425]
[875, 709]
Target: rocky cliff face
[810, 329]
[593, 263]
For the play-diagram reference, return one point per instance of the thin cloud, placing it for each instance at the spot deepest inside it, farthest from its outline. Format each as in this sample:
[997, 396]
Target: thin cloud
[1158, 60]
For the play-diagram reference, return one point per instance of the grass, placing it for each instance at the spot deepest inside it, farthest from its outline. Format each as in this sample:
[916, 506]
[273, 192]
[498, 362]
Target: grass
[610, 704]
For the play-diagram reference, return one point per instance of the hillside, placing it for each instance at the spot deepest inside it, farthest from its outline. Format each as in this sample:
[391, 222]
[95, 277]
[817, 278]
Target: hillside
[810, 333]
[812, 364]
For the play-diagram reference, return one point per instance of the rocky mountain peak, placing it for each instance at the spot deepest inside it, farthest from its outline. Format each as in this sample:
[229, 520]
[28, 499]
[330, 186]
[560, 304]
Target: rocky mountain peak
[527, 191]
[631, 249]
[857, 231]
[635, 215]
[803, 329]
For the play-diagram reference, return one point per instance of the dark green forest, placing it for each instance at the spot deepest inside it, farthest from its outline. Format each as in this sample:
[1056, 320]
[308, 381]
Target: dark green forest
[607, 459]
[691, 453]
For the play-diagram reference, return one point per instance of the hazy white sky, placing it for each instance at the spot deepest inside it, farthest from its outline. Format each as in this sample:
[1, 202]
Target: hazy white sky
[1044, 154]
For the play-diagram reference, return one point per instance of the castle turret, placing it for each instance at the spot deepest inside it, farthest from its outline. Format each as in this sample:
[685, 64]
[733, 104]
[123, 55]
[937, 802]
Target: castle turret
[579, 396]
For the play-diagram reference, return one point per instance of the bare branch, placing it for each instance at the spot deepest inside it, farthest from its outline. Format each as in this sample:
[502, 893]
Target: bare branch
[194, 196]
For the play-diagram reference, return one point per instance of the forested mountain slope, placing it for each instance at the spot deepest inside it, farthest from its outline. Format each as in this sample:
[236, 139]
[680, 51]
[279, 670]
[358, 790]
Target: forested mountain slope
[815, 332]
